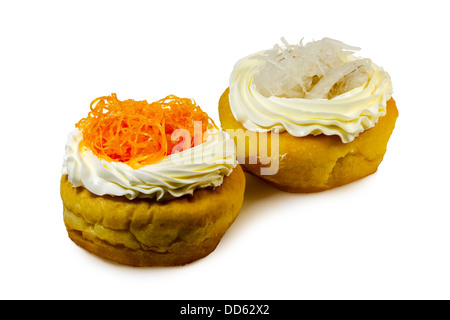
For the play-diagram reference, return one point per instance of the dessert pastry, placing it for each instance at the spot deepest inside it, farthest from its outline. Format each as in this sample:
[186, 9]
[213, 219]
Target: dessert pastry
[149, 184]
[319, 115]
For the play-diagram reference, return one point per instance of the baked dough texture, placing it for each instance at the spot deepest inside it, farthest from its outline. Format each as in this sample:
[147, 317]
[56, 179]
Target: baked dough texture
[316, 163]
[144, 232]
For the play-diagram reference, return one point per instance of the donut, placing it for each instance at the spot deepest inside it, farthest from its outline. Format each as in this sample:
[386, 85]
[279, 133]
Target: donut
[317, 115]
[137, 190]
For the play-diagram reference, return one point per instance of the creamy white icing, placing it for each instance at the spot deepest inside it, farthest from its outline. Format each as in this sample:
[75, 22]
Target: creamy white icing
[346, 115]
[179, 174]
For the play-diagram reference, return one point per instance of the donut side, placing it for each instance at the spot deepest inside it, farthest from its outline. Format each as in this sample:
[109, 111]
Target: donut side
[315, 163]
[144, 232]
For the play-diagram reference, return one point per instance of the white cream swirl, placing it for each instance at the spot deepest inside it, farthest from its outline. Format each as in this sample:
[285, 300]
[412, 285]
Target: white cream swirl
[346, 115]
[179, 174]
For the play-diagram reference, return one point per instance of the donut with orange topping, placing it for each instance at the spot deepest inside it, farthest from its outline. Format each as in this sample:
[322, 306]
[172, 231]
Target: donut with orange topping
[149, 184]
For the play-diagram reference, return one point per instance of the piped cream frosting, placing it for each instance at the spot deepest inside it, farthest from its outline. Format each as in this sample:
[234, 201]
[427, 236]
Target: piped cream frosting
[346, 114]
[179, 174]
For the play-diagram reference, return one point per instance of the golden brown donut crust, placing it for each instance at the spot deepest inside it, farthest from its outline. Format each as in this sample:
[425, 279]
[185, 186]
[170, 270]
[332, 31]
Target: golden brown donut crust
[316, 163]
[144, 232]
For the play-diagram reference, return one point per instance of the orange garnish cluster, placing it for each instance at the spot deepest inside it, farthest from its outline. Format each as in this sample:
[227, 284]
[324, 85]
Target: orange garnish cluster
[137, 132]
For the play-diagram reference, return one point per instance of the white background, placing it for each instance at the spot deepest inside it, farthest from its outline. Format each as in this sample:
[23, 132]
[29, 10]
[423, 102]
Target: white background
[384, 237]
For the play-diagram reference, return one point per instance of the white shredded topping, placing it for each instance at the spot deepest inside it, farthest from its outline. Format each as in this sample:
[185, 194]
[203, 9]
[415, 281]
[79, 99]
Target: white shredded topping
[319, 69]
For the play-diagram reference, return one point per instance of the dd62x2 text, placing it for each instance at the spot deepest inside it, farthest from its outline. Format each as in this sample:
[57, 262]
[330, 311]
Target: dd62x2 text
[229, 309]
